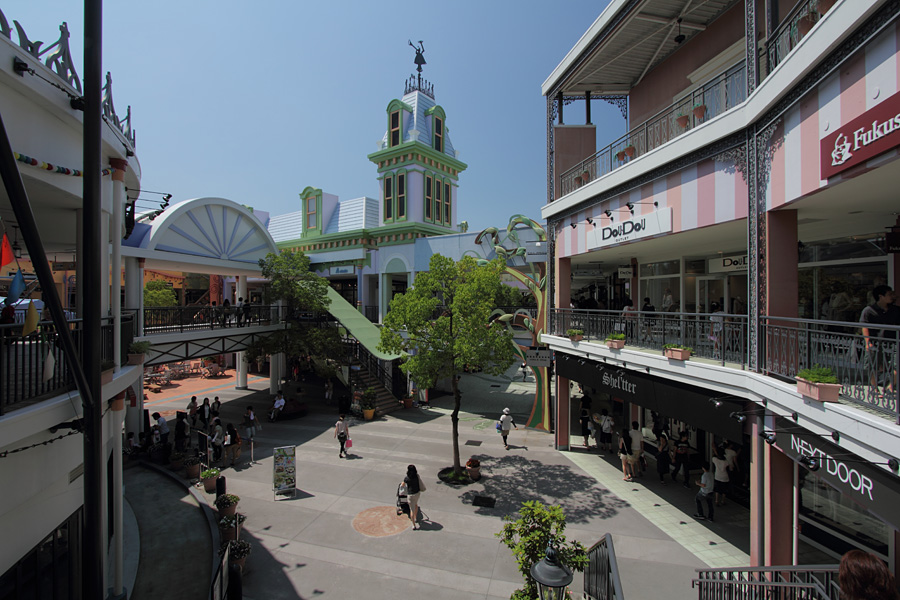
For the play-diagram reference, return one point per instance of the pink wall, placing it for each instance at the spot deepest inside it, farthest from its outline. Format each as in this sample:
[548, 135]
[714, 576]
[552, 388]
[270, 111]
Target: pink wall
[571, 145]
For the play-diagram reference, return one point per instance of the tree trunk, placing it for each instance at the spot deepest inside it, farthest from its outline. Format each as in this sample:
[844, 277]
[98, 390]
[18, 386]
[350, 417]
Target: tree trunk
[454, 418]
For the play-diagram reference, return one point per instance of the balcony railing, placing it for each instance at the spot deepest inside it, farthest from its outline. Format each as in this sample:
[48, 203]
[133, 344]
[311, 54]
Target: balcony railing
[178, 319]
[791, 30]
[23, 360]
[601, 577]
[784, 583]
[719, 95]
[866, 367]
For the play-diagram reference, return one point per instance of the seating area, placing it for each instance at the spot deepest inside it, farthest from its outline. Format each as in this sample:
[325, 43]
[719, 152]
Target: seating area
[155, 378]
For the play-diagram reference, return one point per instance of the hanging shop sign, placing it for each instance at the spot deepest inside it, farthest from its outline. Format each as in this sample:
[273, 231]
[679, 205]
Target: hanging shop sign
[626, 272]
[892, 242]
[644, 226]
[535, 251]
[538, 356]
[727, 264]
[875, 131]
[864, 483]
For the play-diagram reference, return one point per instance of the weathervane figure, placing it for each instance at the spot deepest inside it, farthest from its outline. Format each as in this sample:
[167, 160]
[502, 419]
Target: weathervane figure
[420, 58]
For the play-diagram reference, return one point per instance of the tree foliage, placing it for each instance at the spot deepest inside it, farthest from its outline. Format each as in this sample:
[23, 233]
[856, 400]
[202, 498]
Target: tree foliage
[537, 527]
[159, 293]
[305, 299]
[513, 296]
[440, 345]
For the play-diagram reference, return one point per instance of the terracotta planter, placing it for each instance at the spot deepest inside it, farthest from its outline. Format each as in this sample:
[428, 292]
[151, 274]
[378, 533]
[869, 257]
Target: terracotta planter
[620, 155]
[699, 111]
[474, 473]
[576, 338]
[209, 485]
[192, 471]
[629, 150]
[135, 359]
[677, 353]
[578, 182]
[239, 562]
[106, 376]
[805, 24]
[407, 402]
[615, 344]
[823, 392]
[682, 120]
[369, 413]
[176, 465]
[228, 533]
[585, 177]
[227, 511]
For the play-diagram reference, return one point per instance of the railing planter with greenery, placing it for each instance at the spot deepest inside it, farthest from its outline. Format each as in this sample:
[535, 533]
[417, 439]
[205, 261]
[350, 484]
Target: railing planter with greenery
[473, 469]
[136, 352]
[209, 477]
[615, 341]
[677, 352]
[176, 461]
[192, 467]
[629, 151]
[238, 551]
[699, 110]
[227, 504]
[818, 383]
[576, 335]
[230, 526]
[620, 155]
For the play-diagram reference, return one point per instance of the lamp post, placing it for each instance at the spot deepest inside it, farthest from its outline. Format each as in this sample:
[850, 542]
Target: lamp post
[551, 576]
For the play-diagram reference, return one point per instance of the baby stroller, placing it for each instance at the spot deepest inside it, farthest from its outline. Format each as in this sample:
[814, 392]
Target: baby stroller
[402, 500]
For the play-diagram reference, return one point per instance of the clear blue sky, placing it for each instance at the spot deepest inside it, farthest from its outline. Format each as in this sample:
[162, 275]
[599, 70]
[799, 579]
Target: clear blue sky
[255, 105]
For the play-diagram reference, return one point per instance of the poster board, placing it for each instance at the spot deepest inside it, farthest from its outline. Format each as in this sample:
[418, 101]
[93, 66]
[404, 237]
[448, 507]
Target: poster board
[284, 470]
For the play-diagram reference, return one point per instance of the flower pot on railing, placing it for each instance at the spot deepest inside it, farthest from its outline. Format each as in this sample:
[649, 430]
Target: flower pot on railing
[823, 392]
[677, 353]
[620, 155]
[585, 177]
[805, 24]
[615, 344]
[682, 120]
[629, 150]
[699, 111]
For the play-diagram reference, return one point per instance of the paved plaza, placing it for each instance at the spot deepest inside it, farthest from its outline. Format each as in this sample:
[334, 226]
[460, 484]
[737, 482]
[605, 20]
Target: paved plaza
[339, 536]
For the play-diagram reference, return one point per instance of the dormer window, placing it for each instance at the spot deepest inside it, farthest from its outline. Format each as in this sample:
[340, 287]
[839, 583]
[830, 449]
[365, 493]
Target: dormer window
[438, 133]
[395, 128]
[311, 212]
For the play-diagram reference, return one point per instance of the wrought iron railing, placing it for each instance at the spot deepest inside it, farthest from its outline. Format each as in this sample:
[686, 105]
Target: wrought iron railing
[24, 372]
[717, 336]
[791, 30]
[382, 370]
[178, 319]
[720, 94]
[601, 576]
[866, 367]
[815, 582]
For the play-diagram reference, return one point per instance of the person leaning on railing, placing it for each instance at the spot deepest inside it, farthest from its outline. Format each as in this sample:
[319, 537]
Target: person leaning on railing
[881, 312]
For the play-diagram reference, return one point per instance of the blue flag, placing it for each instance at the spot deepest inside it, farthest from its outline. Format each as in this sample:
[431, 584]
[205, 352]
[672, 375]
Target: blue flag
[16, 287]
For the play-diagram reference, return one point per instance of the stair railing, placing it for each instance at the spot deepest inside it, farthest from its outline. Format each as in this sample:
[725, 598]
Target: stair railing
[601, 576]
[814, 582]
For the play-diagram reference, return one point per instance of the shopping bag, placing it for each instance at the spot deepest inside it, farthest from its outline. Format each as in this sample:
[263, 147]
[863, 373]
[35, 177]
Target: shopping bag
[348, 444]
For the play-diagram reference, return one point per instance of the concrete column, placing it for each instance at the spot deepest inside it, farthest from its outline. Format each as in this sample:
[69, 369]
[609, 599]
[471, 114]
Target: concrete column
[106, 205]
[134, 419]
[562, 413]
[563, 287]
[410, 278]
[276, 372]
[118, 212]
[384, 290]
[240, 357]
[360, 288]
[757, 495]
[133, 290]
[118, 419]
[779, 509]
[781, 272]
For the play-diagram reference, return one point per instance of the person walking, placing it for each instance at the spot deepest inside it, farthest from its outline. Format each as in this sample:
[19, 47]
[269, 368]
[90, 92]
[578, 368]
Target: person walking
[232, 444]
[163, 428]
[663, 460]
[239, 311]
[606, 427]
[342, 433]
[226, 312]
[637, 448]
[682, 455]
[218, 439]
[250, 423]
[191, 410]
[625, 456]
[585, 420]
[721, 467]
[205, 412]
[705, 494]
[506, 423]
[415, 487]
[216, 407]
[181, 432]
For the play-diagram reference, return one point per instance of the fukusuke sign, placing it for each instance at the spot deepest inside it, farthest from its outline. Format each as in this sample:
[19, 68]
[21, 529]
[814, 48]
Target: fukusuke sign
[657, 222]
[875, 131]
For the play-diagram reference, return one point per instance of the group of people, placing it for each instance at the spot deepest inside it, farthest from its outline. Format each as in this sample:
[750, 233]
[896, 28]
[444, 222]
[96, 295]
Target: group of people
[225, 441]
[241, 312]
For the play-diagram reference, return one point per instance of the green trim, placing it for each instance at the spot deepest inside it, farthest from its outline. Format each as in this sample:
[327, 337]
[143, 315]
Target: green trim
[309, 191]
[438, 110]
[421, 148]
[396, 104]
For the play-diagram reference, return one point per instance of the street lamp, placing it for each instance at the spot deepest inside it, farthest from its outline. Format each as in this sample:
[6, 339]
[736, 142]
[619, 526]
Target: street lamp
[551, 577]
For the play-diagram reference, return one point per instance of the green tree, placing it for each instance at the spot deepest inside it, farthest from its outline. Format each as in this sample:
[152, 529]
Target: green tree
[440, 346]
[305, 296]
[159, 293]
[537, 527]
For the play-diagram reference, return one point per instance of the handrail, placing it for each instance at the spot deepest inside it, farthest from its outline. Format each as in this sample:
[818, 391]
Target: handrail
[601, 576]
[178, 319]
[716, 96]
[790, 31]
[814, 582]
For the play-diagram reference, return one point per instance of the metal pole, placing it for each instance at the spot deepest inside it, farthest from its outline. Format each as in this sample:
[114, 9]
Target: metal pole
[93, 585]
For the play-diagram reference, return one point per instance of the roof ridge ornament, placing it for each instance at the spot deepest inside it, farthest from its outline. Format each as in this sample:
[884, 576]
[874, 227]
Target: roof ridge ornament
[415, 82]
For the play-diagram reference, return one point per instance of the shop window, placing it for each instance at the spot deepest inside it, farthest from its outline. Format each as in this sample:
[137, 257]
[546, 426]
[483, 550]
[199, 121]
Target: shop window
[311, 212]
[401, 195]
[447, 197]
[51, 569]
[438, 133]
[666, 267]
[388, 198]
[429, 182]
[395, 128]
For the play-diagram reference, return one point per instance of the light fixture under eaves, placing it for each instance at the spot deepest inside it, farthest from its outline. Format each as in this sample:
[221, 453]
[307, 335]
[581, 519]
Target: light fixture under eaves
[680, 37]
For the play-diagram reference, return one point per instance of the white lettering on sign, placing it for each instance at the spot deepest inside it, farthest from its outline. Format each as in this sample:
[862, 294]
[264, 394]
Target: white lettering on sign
[863, 137]
[834, 467]
[655, 223]
[619, 383]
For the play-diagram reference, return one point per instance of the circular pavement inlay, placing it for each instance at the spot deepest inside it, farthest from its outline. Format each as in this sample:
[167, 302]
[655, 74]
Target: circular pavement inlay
[381, 521]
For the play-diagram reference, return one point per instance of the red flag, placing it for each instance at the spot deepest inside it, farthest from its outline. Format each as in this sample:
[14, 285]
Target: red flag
[6, 252]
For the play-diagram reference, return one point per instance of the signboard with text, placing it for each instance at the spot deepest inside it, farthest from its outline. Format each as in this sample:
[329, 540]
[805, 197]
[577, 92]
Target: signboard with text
[636, 228]
[875, 131]
[285, 470]
[538, 357]
[727, 264]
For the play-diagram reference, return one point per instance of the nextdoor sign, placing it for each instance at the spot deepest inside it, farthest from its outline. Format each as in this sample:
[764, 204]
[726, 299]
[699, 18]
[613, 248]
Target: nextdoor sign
[875, 131]
[657, 222]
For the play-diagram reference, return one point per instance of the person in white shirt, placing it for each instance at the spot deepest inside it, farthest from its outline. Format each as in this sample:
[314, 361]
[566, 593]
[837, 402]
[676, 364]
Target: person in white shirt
[506, 423]
[278, 406]
[720, 467]
[606, 424]
[705, 495]
[637, 448]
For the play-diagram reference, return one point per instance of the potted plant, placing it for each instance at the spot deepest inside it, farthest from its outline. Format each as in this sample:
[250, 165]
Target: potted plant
[699, 110]
[367, 404]
[227, 504]
[576, 335]
[192, 467]
[473, 468]
[615, 341]
[159, 453]
[629, 151]
[238, 551]
[682, 120]
[409, 399]
[818, 383]
[230, 526]
[621, 155]
[176, 461]
[106, 371]
[209, 477]
[677, 351]
[136, 352]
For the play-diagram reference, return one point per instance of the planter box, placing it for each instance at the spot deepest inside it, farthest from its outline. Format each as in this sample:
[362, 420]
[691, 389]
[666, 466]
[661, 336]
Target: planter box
[699, 111]
[106, 376]
[823, 392]
[576, 338]
[228, 511]
[615, 344]
[407, 403]
[677, 353]
[192, 471]
[135, 359]
[209, 484]
[620, 155]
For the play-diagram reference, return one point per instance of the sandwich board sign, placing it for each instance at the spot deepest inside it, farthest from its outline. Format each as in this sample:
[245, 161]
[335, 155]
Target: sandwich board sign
[285, 470]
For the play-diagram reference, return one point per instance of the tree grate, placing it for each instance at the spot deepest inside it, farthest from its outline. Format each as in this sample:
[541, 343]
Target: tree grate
[484, 501]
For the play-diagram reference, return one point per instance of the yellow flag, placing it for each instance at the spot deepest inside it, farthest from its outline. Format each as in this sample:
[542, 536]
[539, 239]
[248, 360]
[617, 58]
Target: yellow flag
[31, 320]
